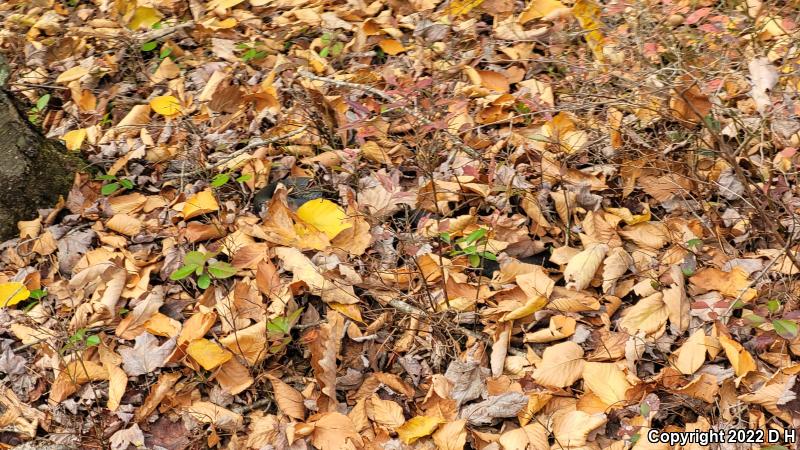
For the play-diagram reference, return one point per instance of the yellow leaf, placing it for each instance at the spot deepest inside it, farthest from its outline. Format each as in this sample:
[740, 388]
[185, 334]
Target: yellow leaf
[208, 354]
[588, 14]
[537, 9]
[144, 17]
[741, 360]
[461, 7]
[391, 46]
[325, 216]
[417, 427]
[74, 139]
[201, 203]
[166, 105]
[224, 4]
[530, 307]
[12, 293]
[72, 74]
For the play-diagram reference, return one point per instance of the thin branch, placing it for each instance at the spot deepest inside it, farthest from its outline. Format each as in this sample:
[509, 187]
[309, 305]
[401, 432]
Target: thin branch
[257, 142]
[460, 144]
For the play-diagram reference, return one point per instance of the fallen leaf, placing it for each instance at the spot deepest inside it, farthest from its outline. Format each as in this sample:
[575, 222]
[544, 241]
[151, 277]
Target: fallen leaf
[581, 268]
[561, 365]
[494, 407]
[201, 203]
[208, 354]
[289, 400]
[146, 355]
[607, 381]
[12, 293]
[741, 360]
[166, 105]
[692, 354]
[451, 436]
[325, 216]
[418, 427]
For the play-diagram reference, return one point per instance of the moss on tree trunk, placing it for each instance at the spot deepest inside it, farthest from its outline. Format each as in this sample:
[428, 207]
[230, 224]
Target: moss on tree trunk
[34, 171]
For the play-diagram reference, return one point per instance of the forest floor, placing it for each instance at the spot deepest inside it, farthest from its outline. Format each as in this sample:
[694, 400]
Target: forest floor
[422, 224]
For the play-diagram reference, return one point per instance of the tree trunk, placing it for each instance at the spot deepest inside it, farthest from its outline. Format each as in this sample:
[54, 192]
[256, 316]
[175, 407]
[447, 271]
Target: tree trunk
[34, 171]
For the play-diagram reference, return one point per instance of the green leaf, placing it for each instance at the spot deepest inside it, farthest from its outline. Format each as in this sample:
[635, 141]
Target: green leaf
[157, 25]
[474, 260]
[105, 177]
[183, 272]
[42, 102]
[476, 235]
[471, 250]
[220, 179]
[445, 237]
[696, 243]
[644, 408]
[109, 188]
[165, 51]
[324, 52]
[489, 255]
[773, 305]
[149, 46]
[93, 340]
[203, 281]
[244, 178]
[78, 336]
[195, 258]
[754, 319]
[221, 270]
[337, 48]
[126, 183]
[278, 325]
[293, 316]
[687, 271]
[787, 329]
[38, 293]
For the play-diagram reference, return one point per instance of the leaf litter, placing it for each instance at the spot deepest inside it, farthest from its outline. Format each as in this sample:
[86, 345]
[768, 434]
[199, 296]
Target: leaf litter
[431, 224]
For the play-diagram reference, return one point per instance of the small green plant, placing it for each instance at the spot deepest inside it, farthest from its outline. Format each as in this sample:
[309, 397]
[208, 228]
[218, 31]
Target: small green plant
[35, 113]
[331, 46]
[221, 179]
[197, 263]
[785, 328]
[473, 246]
[251, 51]
[279, 331]
[114, 184]
[80, 340]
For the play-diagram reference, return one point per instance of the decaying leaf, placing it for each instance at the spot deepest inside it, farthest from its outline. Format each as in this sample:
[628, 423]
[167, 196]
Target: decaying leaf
[561, 365]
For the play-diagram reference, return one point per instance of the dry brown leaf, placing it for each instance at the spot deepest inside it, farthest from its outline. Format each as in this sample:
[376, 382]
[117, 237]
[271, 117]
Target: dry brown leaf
[289, 399]
[561, 365]
[157, 393]
[692, 354]
[334, 431]
[607, 381]
[533, 436]
[451, 436]
[648, 315]
[581, 268]
[222, 418]
[249, 343]
[731, 284]
[325, 343]
[561, 327]
[571, 429]
[385, 413]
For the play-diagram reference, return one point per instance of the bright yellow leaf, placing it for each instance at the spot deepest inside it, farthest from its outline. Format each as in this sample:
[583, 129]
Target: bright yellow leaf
[166, 105]
[72, 74]
[208, 354]
[418, 427]
[537, 9]
[144, 17]
[325, 216]
[201, 203]
[588, 14]
[461, 7]
[391, 46]
[12, 293]
[74, 139]
[530, 307]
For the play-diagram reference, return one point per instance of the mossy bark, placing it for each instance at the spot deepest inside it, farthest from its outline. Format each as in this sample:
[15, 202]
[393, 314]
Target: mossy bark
[34, 171]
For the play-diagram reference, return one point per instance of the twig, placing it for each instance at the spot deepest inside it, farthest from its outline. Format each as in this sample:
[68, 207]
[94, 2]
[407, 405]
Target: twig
[392, 99]
[255, 405]
[257, 142]
[414, 311]
[155, 35]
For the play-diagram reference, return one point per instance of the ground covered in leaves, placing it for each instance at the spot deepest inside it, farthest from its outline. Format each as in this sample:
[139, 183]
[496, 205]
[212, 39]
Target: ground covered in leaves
[394, 224]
